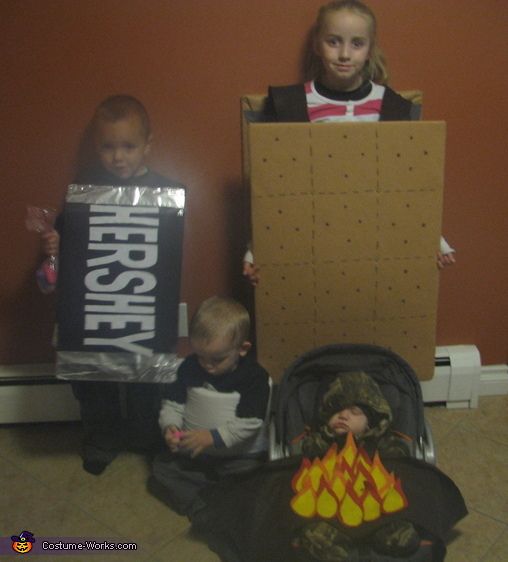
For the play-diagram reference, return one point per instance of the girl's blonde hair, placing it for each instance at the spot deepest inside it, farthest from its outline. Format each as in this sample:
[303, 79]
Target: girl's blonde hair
[219, 317]
[375, 69]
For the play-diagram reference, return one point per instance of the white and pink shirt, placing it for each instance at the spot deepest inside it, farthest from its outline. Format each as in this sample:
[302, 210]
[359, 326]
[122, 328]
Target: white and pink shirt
[325, 110]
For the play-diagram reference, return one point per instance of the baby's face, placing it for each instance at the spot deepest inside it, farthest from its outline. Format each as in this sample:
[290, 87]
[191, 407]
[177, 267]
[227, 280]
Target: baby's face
[350, 419]
[122, 146]
[219, 356]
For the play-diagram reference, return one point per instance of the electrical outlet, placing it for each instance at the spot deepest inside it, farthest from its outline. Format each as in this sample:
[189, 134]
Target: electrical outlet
[183, 322]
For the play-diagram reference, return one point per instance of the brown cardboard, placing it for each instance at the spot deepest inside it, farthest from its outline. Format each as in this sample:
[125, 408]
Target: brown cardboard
[346, 220]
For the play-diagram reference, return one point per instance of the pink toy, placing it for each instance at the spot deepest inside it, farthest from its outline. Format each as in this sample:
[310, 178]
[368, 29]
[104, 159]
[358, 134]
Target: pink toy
[41, 220]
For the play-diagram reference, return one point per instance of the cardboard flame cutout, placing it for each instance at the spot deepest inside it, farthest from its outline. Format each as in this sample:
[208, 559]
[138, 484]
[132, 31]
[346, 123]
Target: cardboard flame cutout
[347, 485]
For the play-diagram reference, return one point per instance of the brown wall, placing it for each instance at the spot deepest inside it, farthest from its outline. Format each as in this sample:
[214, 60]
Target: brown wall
[190, 61]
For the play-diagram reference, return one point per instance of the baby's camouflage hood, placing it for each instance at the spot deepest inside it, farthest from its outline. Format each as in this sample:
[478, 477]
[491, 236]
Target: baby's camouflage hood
[357, 389]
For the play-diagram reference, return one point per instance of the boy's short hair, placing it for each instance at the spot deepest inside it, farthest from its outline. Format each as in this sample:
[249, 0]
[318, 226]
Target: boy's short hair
[219, 317]
[120, 106]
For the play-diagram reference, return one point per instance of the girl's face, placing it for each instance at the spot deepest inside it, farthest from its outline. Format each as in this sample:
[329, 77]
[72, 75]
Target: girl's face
[349, 420]
[343, 44]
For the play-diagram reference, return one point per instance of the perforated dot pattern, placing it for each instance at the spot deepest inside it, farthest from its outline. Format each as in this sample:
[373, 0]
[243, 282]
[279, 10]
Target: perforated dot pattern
[346, 224]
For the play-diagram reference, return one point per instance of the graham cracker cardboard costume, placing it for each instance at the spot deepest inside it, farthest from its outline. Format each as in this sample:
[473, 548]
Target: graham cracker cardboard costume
[346, 220]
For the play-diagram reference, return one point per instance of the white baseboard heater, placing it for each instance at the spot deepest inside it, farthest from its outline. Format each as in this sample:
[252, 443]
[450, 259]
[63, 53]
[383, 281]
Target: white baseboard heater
[456, 380]
[32, 393]
[459, 378]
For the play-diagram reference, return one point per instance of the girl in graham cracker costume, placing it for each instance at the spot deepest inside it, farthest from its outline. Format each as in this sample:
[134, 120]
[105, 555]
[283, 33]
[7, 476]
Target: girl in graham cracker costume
[346, 81]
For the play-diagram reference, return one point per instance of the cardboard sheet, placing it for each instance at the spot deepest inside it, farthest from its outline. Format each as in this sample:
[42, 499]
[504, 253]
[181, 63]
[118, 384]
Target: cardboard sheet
[346, 220]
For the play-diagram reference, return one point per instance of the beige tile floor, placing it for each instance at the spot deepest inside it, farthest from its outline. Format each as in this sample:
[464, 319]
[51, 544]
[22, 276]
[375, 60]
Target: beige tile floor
[44, 489]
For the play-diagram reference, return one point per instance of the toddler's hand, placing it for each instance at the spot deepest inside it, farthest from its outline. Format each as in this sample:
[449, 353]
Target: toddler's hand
[50, 242]
[196, 441]
[172, 436]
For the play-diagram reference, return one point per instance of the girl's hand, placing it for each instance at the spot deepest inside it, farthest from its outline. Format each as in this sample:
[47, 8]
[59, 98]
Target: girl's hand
[196, 441]
[172, 436]
[444, 260]
[251, 272]
[50, 242]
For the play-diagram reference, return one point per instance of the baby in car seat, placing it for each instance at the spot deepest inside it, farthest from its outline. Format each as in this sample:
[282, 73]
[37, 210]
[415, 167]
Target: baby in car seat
[355, 404]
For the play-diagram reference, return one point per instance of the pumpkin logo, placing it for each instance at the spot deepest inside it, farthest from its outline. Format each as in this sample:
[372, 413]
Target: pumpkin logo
[22, 543]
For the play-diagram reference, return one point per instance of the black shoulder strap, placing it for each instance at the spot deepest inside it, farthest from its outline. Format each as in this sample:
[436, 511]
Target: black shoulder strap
[395, 107]
[288, 103]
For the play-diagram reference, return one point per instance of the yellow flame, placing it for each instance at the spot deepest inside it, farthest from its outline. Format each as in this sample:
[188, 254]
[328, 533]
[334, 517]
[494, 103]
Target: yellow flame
[299, 482]
[346, 484]
[350, 450]
[304, 503]
[339, 485]
[371, 507]
[394, 500]
[350, 513]
[327, 504]
[381, 476]
[330, 460]
[317, 472]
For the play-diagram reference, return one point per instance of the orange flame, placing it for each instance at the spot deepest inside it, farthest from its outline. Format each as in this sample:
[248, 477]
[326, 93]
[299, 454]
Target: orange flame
[346, 484]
